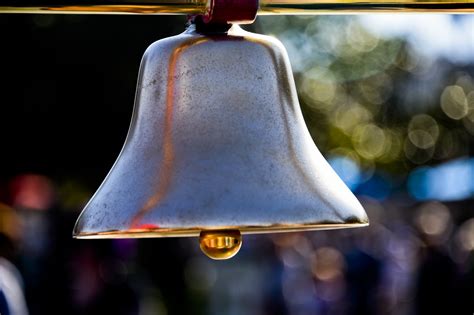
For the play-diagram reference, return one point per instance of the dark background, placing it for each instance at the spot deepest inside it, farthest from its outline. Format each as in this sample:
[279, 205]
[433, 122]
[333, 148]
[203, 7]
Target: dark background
[68, 89]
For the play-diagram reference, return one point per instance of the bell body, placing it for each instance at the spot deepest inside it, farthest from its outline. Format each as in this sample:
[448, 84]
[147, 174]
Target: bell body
[217, 142]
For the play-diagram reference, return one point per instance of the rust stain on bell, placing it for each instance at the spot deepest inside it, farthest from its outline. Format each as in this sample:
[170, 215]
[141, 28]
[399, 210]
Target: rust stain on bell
[165, 172]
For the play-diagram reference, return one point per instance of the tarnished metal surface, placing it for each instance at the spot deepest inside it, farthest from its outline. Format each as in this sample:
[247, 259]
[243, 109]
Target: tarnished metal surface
[217, 141]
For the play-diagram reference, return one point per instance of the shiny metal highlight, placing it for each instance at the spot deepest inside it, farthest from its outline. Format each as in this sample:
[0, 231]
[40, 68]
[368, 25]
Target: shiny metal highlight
[220, 245]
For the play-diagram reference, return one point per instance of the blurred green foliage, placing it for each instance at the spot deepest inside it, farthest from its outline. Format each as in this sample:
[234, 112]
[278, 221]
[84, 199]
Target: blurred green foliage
[376, 100]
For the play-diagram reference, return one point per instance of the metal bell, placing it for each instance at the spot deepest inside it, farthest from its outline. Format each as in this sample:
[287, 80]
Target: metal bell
[217, 143]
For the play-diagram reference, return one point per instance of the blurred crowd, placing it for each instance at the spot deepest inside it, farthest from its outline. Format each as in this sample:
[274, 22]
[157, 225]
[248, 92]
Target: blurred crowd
[415, 258]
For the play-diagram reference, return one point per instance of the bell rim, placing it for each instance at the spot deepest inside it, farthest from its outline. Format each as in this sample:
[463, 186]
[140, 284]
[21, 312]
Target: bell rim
[194, 232]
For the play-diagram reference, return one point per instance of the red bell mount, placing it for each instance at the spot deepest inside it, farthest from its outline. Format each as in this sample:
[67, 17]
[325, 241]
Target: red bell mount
[231, 11]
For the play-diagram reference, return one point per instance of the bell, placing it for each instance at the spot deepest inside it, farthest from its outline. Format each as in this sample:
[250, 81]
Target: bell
[217, 147]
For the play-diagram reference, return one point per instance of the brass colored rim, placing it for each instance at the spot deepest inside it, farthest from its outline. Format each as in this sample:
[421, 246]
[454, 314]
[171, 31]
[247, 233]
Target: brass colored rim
[194, 232]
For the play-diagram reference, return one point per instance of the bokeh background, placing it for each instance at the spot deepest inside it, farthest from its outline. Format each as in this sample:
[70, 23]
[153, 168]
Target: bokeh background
[389, 100]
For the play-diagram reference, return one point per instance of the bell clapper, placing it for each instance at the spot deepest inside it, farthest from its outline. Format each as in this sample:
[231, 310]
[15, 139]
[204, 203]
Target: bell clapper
[221, 244]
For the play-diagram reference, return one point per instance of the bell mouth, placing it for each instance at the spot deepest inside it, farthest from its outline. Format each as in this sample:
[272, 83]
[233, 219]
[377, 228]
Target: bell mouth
[195, 232]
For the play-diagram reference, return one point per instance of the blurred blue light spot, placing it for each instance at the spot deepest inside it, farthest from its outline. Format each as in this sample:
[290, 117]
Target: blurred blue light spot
[447, 182]
[378, 187]
[347, 169]
[416, 183]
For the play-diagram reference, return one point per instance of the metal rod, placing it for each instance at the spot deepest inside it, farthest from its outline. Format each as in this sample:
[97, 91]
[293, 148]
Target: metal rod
[104, 6]
[267, 7]
[361, 6]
